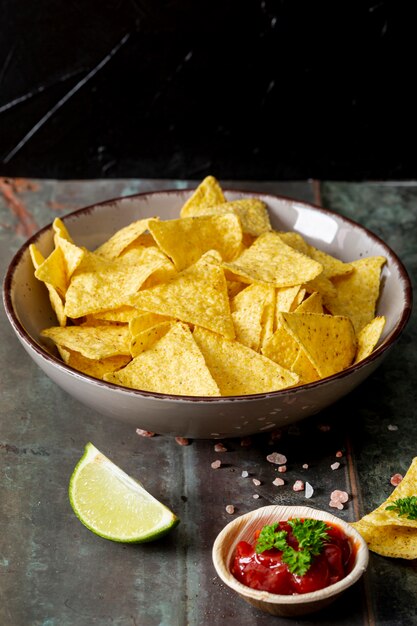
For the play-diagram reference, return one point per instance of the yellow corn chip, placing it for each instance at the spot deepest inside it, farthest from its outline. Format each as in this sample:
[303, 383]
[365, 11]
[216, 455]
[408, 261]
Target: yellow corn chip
[368, 337]
[332, 267]
[304, 368]
[328, 340]
[113, 247]
[269, 260]
[252, 212]
[357, 293]
[123, 314]
[186, 240]
[268, 317]
[93, 342]
[147, 338]
[286, 297]
[296, 241]
[208, 193]
[312, 304]
[393, 541]
[54, 271]
[143, 321]
[93, 367]
[198, 295]
[73, 255]
[281, 347]
[60, 230]
[247, 310]
[238, 370]
[173, 365]
[54, 297]
[100, 284]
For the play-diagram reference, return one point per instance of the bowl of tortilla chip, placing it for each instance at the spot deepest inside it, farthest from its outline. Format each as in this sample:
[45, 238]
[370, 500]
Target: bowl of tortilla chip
[206, 313]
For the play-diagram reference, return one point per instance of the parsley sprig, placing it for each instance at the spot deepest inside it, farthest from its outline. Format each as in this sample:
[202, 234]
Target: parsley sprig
[311, 535]
[405, 507]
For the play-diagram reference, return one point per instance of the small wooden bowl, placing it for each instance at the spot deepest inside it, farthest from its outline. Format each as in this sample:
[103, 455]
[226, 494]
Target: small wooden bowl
[242, 529]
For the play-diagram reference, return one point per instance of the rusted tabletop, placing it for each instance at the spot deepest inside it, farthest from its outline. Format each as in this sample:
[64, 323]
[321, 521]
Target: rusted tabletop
[54, 572]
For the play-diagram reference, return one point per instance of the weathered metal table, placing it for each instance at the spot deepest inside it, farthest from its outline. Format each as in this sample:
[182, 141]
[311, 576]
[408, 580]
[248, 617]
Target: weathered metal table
[54, 572]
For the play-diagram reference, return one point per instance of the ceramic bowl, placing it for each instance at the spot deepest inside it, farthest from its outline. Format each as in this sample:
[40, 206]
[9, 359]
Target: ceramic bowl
[243, 528]
[28, 310]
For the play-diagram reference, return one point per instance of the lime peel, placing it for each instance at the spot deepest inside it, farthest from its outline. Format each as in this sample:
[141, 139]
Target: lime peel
[114, 505]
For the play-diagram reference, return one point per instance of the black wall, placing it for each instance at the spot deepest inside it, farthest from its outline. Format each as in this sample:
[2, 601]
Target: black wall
[257, 90]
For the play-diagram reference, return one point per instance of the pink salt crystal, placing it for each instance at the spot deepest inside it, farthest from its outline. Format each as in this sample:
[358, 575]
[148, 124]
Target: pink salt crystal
[276, 458]
[182, 441]
[216, 464]
[244, 474]
[339, 496]
[339, 454]
[256, 482]
[282, 469]
[305, 466]
[255, 496]
[298, 485]
[278, 482]
[324, 428]
[219, 447]
[392, 427]
[230, 509]
[335, 504]
[144, 433]
[396, 479]
[335, 466]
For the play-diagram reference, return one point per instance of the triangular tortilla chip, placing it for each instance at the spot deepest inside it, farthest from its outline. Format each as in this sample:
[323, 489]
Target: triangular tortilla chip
[54, 297]
[147, 338]
[93, 342]
[248, 313]
[393, 541]
[238, 370]
[93, 367]
[173, 365]
[198, 295]
[368, 337]
[328, 340]
[357, 293]
[281, 347]
[304, 368]
[312, 304]
[100, 284]
[269, 260]
[185, 240]
[208, 193]
[60, 230]
[252, 212]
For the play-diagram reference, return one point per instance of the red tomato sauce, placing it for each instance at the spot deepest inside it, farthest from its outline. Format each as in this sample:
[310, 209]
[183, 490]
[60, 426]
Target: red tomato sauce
[266, 570]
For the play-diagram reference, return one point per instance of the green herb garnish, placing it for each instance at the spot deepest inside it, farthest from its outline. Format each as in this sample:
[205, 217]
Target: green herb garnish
[405, 506]
[311, 535]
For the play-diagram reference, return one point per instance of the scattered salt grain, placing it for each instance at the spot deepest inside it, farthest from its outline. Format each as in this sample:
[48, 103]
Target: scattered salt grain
[277, 458]
[219, 447]
[144, 433]
[298, 486]
[339, 454]
[278, 482]
[230, 509]
[282, 469]
[335, 466]
[305, 466]
[324, 428]
[256, 482]
[216, 464]
[308, 490]
[336, 505]
[392, 427]
[245, 474]
[338, 498]
[396, 479]
[182, 441]
[255, 496]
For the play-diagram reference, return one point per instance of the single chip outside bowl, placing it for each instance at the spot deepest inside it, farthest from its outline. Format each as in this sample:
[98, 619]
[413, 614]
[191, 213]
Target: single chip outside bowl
[29, 311]
[243, 528]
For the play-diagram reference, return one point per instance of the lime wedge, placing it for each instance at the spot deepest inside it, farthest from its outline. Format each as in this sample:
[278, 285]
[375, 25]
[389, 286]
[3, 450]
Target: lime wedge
[114, 505]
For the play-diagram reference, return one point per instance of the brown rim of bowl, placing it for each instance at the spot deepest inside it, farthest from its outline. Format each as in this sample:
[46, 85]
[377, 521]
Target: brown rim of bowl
[387, 343]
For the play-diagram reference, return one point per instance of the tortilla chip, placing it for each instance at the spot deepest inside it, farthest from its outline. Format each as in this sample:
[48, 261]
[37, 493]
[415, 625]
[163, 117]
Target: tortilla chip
[304, 368]
[208, 193]
[286, 297]
[173, 365]
[143, 321]
[54, 297]
[368, 337]
[73, 255]
[60, 231]
[93, 367]
[113, 247]
[281, 348]
[252, 212]
[393, 541]
[312, 304]
[357, 293]
[198, 295]
[268, 317]
[185, 240]
[147, 338]
[54, 271]
[328, 340]
[238, 370]
[123, 314]
[247, 310]
[93, 342]
[269, 260]
[100, 284]
[332, 267]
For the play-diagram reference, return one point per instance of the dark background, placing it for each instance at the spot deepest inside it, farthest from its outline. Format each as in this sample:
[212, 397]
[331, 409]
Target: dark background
[258, 90]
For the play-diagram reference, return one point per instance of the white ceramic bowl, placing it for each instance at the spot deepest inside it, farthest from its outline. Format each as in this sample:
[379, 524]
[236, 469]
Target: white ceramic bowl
[243, 528]
[29, 311]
